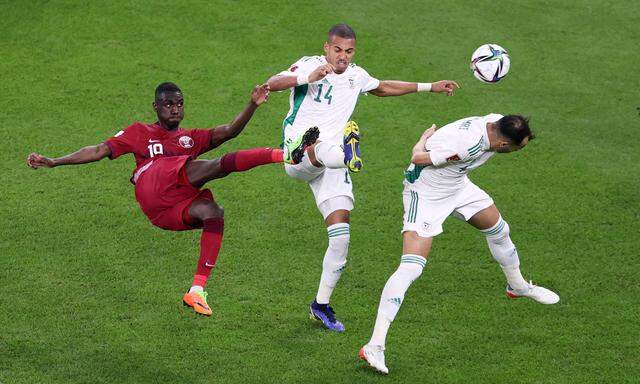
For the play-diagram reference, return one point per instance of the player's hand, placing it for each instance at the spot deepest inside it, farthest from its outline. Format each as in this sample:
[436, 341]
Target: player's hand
[260, 94]
[447, 86]
[320, 72]
[36, 160]
[429, 132]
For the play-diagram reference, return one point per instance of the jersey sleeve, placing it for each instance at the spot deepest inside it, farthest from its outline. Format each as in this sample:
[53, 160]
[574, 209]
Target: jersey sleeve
[445, 151]
[122, 142]
[305, 65]
[367, 82]
[202, 140]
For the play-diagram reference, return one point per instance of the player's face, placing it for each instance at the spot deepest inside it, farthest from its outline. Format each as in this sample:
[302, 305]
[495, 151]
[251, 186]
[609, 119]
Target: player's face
[507, 147]
[170, 109]
[339, 52]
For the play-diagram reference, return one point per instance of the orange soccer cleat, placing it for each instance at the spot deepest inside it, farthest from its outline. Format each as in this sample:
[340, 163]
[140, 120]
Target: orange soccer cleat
[197, 301]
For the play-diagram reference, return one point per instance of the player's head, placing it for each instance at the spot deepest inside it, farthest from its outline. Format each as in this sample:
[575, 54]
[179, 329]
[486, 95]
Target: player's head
[340, 46]
[169, 105]
[513, 133]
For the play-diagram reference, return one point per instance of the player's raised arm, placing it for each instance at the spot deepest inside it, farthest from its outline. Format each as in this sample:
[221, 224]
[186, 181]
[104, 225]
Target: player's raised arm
[222, 133]
[436, 157]
[84, 155]
[292, 79]
[419, 154]
[399, 88]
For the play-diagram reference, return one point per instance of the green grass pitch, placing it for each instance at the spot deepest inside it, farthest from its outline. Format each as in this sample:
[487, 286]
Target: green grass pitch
[90, 291]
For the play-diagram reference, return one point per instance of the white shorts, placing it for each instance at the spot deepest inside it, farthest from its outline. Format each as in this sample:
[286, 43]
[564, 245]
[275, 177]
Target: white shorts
[326, 184]
[425, 214]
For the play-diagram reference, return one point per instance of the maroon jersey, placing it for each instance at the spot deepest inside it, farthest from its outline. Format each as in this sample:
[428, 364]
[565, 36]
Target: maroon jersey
[150, 141]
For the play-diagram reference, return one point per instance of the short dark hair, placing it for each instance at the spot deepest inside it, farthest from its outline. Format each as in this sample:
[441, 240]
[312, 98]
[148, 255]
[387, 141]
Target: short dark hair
[166, 87]
[515, 128]
[342, 30]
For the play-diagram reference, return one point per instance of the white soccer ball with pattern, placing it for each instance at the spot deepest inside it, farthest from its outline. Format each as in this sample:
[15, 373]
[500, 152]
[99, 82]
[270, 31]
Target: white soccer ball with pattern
[490, 63]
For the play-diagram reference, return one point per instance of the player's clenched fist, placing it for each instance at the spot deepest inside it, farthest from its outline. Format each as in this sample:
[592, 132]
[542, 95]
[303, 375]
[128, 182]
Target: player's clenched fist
[320, 72]
[35, 161]
[260, 94]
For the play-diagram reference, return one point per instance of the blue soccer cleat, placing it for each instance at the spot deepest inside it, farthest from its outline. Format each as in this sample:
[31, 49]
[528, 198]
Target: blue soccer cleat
[325, 314]
[351, 141]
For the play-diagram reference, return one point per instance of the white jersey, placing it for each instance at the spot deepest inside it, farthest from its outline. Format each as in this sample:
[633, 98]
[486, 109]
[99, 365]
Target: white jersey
[465, 143]
[327, 103]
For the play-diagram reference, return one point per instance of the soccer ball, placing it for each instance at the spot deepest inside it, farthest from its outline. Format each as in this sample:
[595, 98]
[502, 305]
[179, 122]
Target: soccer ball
[490, 63]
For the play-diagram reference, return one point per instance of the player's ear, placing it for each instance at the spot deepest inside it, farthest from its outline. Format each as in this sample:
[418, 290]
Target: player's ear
[326, 47]
[155, 107]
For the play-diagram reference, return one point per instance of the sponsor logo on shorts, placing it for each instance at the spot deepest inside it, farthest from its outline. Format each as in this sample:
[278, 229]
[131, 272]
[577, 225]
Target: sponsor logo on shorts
[185, 142]
[426, 226]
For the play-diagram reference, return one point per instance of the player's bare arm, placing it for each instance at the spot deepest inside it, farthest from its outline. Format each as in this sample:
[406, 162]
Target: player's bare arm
[84, 155]
[419, 155]
[399, 88]
[222, 133]
[282, 82]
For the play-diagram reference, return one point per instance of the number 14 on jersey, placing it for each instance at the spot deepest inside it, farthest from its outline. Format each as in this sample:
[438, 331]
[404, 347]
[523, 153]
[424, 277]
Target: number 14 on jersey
[327, 95]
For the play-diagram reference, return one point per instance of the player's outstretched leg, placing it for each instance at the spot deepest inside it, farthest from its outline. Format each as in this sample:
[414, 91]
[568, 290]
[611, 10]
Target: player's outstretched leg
[410, 269]
[211, 216]
[201, 171]
[506, 254]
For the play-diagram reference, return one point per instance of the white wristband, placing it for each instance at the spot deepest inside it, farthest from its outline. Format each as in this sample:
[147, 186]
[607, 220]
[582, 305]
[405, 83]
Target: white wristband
[424, 87]
[302, 79]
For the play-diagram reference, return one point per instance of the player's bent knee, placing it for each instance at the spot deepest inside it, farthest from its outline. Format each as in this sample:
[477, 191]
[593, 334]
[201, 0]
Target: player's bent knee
[208, 211]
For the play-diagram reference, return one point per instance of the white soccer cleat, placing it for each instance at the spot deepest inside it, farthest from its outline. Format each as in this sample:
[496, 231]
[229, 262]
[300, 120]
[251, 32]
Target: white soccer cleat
[374, 355]
[540, 294]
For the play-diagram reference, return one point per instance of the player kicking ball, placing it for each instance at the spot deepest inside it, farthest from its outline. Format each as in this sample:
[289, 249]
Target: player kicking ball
[168, 179]
[436, 186]
[324, 93]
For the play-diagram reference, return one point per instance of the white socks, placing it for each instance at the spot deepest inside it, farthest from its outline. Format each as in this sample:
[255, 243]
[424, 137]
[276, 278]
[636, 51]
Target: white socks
[393, 294]
[505, 253]
[334, 261]
[196, 288]
[330, 155]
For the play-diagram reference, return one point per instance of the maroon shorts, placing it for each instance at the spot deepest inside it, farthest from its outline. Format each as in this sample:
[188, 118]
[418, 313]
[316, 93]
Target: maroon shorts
[165, 194]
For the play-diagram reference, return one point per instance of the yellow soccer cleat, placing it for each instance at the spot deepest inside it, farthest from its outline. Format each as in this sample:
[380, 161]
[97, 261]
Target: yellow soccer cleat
[352, 147]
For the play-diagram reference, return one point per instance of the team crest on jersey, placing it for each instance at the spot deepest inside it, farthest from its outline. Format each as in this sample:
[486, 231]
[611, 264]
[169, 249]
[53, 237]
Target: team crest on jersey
[352, 83]
[185, 142]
